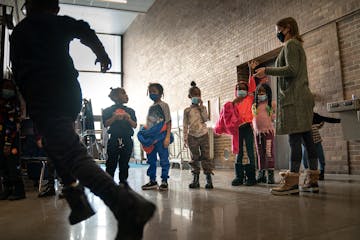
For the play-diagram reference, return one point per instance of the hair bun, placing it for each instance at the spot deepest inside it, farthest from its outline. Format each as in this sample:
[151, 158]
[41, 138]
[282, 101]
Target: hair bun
[193, 84]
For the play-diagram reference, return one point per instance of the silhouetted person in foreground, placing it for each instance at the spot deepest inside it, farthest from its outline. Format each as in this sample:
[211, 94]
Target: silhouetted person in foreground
[45, 74]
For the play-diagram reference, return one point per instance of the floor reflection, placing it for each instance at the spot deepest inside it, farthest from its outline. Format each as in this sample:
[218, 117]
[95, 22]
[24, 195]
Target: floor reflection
[225, 212]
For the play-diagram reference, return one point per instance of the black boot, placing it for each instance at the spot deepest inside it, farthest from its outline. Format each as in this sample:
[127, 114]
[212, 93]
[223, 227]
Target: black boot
[209, 184]
[261, 176]
[79, 204]
[48, 191]
[322, 175]
[271, 179]
[250, 175]
[6, 191]
[131, 210]
[18, 192]
[195, 183]
[239, 175]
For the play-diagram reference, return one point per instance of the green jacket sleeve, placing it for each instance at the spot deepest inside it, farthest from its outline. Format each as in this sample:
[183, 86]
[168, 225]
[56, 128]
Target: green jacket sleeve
[292, 59]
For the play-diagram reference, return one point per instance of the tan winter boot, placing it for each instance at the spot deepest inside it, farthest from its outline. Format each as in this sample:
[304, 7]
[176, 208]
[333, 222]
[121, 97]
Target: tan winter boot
[311, 181]
[289, 184]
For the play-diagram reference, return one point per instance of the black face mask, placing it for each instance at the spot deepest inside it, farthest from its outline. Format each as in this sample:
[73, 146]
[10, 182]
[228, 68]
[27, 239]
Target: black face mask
[281, 36]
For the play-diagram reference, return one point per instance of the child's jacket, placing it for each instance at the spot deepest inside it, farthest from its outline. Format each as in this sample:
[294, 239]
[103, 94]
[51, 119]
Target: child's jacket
[233, 116]
[149, 137]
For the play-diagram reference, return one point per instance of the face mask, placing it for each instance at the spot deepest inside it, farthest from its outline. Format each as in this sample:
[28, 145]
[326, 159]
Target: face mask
[154, 97]
[195, 100]
[262, 98]
[241, 93]
[7, 93]
[281, 36]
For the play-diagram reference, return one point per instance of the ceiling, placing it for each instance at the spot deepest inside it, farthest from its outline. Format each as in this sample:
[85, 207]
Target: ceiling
[105, 17]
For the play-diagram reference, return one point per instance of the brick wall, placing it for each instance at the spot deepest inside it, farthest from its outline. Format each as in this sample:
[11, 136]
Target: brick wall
[180, 41]
[349, 42]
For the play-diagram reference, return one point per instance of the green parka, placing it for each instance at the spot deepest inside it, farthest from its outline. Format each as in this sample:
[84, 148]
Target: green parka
[294, 99]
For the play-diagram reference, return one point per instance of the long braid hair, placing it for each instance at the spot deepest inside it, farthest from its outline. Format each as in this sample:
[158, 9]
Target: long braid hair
[269, 98]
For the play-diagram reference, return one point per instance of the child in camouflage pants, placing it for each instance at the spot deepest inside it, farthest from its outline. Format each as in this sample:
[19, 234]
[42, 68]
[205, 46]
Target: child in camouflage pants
[196, 137]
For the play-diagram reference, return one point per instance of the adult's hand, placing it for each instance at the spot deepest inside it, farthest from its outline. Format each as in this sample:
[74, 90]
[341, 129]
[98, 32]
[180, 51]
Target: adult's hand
[260, 73]
[105, 63]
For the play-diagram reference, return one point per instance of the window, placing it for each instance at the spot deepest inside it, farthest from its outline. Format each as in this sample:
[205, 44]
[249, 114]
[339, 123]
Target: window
[94, 84]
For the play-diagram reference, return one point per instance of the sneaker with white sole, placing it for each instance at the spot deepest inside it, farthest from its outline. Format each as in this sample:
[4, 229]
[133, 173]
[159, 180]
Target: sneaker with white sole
[150, 185]
[163, 186]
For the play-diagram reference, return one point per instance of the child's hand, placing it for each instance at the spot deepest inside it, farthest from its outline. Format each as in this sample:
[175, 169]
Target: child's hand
[120, 116]
[166, 142]
[237, 100]
[126, 116]
[200, 102]
[252, 64]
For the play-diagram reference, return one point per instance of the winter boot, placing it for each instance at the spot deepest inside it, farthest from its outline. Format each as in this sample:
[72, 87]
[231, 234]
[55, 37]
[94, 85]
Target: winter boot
[239, 175]
[7, 190]
[250, 175]
[270, 179]
[18, 192]
[322, 175]
[261, 177]
[311, 181]
[195, 183]
[131, 210]
[289, 184]
[209, 184]
[79, 204]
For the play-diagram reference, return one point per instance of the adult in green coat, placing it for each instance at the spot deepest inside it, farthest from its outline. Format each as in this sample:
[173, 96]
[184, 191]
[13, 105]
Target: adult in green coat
[295, 107]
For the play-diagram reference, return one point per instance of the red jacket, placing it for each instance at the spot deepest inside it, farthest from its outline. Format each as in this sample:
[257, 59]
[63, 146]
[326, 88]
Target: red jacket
[233, 116]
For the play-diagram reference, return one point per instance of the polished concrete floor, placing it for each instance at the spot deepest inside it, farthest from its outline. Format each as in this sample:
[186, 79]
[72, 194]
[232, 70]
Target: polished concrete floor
[225, 212]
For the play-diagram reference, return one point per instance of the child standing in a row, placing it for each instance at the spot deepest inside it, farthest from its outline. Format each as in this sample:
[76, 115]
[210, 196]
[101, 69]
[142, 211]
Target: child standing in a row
[155, 138]
[235, 119]
[263, 112]
[196, 137]
[121, 121]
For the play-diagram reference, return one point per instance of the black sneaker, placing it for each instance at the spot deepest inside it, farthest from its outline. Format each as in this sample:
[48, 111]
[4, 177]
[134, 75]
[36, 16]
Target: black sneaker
[150, 185]
[47, 192]
[163, 186]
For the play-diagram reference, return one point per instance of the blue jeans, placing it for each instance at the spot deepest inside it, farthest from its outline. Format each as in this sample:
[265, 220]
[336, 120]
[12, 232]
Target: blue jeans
[320, 153]
[164, 162]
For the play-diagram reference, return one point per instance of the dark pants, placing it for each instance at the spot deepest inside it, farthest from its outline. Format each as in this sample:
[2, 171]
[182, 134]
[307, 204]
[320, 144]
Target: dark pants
[320, 153]
[199, 148]
[265, 150]
[295, 141]
[246, 134]
[70, 156]
[119, 152]
[50, 172]
[10, 170]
